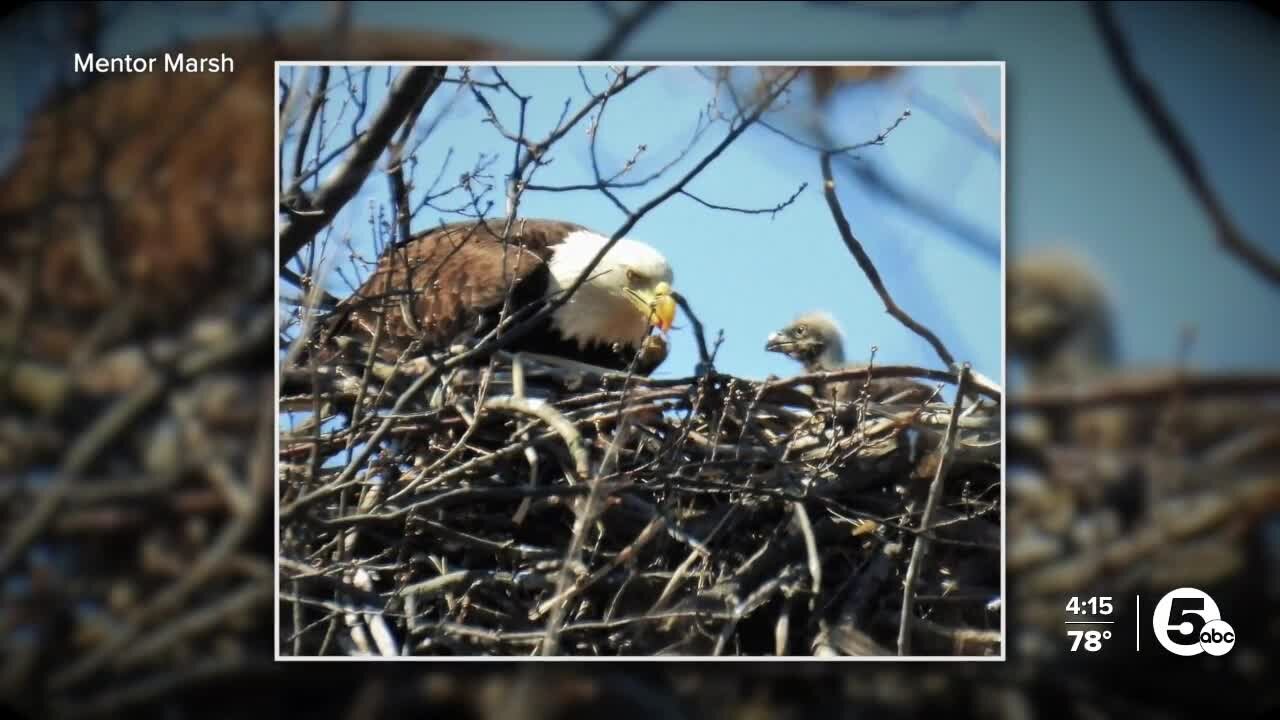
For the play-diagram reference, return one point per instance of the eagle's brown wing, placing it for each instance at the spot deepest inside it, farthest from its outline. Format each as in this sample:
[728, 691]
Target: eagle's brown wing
[445, 281]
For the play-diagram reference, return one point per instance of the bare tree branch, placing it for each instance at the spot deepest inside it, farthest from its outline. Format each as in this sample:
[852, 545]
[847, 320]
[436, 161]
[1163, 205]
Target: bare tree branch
[770, 211]
[624, 80]
[313, 212]
[1162, 124]
[873, 179]
[500, 338]
[884, 371]
[1148, 387]
[972, 127]
[958, 227]
[902, 11]
[921, 546]
[704, 357]
[624, 27]
[828, 146]
[869, 268]
[317, 101]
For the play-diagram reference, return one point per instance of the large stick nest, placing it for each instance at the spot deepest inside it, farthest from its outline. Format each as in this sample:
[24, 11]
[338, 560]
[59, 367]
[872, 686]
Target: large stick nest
[554, 511]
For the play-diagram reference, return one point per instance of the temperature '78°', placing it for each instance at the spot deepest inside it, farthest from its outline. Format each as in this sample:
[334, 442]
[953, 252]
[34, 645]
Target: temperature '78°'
[1092, 639]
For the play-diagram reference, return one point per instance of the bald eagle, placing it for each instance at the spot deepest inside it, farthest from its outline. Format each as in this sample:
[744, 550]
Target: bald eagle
[1059, 320]
[453, 283]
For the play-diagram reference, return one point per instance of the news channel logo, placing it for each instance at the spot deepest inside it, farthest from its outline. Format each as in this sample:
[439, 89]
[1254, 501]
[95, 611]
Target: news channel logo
[1187, 622]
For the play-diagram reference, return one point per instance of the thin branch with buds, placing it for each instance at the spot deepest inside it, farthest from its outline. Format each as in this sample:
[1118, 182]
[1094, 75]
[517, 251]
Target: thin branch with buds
[313, 211]
[869, 268]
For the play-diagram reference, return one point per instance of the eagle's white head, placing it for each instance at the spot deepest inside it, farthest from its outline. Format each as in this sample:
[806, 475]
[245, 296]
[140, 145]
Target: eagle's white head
[628, 292]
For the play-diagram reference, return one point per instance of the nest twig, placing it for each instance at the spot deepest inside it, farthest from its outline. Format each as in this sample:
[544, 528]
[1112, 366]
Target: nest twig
[600, 514]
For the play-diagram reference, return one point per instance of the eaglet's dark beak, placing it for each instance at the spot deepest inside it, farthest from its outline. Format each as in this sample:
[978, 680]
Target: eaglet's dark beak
[778, 342]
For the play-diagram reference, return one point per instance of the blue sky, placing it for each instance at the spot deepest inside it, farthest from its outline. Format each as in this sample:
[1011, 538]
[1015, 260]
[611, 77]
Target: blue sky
[750, 274]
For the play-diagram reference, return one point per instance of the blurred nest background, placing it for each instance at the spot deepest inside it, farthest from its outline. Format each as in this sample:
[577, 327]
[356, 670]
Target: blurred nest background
[127, 591]
[553, 511]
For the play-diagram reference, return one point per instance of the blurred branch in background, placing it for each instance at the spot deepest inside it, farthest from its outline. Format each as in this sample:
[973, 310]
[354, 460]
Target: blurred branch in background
[915, 202]
[976, 126]
[135, 326]
[1083, 520]
[812, 126]
[1165, 129]
[903, 9]
[624, 25]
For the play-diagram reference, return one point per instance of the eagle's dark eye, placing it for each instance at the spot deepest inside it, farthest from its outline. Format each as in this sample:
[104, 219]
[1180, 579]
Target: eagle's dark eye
[800, 330]
[632, 275]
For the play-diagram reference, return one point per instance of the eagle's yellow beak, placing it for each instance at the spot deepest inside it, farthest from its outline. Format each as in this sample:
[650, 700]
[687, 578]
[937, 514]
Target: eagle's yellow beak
[657, 304]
